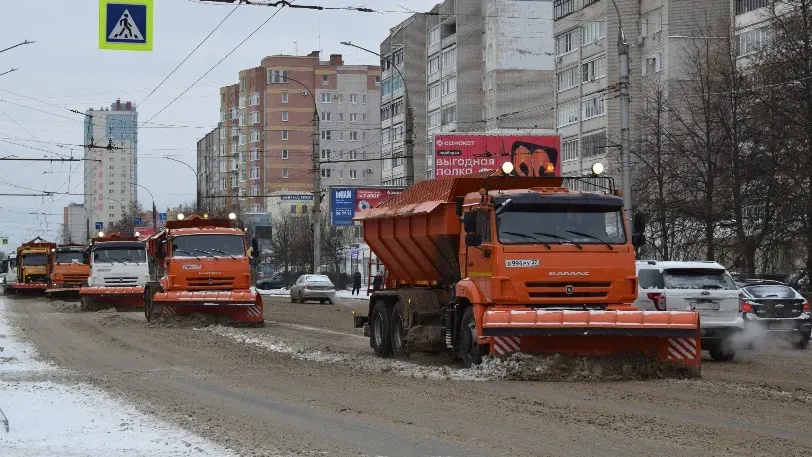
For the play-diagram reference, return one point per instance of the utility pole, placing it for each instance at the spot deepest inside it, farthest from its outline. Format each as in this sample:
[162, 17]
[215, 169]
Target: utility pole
[625, 152]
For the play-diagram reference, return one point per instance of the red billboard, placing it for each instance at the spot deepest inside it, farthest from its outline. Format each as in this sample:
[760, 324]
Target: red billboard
[461, 154]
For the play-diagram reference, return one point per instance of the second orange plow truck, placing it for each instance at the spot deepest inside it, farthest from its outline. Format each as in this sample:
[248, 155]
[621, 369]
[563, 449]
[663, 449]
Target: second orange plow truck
[202, 266]
[492, 263]
[69, 268]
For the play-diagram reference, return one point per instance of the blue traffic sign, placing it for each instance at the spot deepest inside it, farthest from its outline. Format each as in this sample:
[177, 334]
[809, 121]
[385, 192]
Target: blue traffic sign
[99, 225]
[137, 221]
[162, 217]
[125, 25]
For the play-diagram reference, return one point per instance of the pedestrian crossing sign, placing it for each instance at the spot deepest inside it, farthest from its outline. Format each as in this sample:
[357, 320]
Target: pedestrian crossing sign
[125, 25]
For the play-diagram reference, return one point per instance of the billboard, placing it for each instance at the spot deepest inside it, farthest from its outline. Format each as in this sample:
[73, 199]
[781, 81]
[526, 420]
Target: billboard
[463, 154]
[346, 201]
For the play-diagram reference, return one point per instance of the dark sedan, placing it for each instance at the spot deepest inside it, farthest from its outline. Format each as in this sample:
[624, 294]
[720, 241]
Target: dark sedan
[777, 309]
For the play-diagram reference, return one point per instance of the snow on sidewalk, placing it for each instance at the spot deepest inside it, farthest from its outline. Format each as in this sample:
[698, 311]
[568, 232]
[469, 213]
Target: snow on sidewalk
[77, 420]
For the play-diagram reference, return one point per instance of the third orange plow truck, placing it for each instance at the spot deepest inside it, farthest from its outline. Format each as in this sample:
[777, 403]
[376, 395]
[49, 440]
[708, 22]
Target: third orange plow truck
[202, 266]
[69, 268]
[492, 263]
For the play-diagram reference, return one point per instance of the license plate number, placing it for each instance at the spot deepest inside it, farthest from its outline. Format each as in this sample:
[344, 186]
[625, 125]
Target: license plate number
[781, 325]
[518, 263]
[712, 306]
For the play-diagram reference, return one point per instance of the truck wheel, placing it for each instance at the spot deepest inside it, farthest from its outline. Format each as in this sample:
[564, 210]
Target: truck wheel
[398, 331]
[149, 304]
[722, 351]
[379, 330]
[470, 351]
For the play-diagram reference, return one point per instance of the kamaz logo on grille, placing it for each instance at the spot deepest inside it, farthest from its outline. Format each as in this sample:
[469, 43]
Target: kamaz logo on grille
[569, 273]
[191, 267]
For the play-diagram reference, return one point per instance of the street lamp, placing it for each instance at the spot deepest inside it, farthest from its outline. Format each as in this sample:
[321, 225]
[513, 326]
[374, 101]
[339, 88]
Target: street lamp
[18, 44]
[197, 180]
[408, 143]
[316, 179]
[625, 153]
[154, 210]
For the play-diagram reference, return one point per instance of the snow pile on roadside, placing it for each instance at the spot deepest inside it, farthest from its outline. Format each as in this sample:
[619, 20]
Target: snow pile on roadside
[362, 362]
[52, 419]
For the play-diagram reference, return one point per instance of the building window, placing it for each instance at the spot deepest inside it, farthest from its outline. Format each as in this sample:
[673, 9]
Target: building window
[254, 117]
[570, 148]
[567, 78]
[253, 99]
[353, 117]
[325, 79]
[255, 208]
[386, 136]
[284, 116]
[222, 115]
[653, 64]
[326, 134]
[353, 174]
[325, 172]
[434, 64]
[284, 135]
[450, 57]
[593, 70]
[242, 102]
[565, 43]
[449, 114]
[594, 31]
[254, 135]
[340, 136]
[284, 154]
[254, 153]
[353, 98]
[243, 138]
[434, 118]
[285, 173]
[325, 116]
[449, 85]
[753, 40]
[378, 80]
[744, 6]
[284, 97]
[353, 155]
[567, 113]
[235, 130]
[277, 76]
[254, 174]
[434, 91]
[562, 8]
[364, 99]
[593, 144]
[593, 107]
[235, 114]
[353, 136]
[325, 154]
[434, 35]
[326, 97]
[242, 119]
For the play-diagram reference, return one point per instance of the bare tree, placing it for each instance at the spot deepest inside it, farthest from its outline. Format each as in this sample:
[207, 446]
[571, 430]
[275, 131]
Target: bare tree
[126, 225]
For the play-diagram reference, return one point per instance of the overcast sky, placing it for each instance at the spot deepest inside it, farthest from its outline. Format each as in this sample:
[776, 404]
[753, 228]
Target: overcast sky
[66, 69]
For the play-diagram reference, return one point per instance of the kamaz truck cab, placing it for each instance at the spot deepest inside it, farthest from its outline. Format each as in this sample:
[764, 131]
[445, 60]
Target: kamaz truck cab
[8, 273]
[69, 269]
[118, 272]
[32, 265]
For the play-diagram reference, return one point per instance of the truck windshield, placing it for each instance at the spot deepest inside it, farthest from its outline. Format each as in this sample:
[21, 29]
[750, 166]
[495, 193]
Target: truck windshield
[33, 260]
[535, 224]
[208, 246]
[114, 255]
[698, 278]
[70, 257]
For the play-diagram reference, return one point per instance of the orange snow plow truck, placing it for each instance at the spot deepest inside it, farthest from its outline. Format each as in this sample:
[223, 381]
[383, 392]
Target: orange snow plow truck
[201, 266]
[32, 265]
[69, 268]
[492, 263]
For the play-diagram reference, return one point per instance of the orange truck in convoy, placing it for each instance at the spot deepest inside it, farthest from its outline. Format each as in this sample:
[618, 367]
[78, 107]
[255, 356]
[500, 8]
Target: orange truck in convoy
[492, 263]
[69, 268]
[201, 266]
[32, 265]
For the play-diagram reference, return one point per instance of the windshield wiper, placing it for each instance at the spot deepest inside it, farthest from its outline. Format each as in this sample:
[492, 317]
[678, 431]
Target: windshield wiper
[191, 254]
[560, 238]
[591, 236]
[207, 252]
[224, 252]
[503, 206]
[527, 236]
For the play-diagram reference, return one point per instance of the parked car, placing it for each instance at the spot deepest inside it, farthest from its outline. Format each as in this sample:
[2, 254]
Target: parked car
[313, 287]
[705, 287]
[777, 309]
[278, 281]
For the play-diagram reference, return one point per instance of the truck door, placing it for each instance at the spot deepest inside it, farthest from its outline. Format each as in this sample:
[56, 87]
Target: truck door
[480, 258]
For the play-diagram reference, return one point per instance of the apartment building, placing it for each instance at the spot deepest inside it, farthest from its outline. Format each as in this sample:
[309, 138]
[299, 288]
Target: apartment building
[111, 164]
[660, 34]
[74, 220]
[266, 130]
[469, 66]
[752, 19]
[209, 160]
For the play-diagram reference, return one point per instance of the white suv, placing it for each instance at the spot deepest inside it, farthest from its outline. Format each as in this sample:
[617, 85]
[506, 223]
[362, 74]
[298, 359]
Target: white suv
[705, 287]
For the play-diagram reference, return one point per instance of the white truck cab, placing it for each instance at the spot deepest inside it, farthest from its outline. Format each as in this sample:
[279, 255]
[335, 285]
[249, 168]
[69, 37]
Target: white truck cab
[118, 264]
[8, 273]
[702, 286]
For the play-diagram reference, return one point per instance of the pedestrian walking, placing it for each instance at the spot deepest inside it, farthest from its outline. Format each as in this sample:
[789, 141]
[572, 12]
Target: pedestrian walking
[377, 283]
[356, 283]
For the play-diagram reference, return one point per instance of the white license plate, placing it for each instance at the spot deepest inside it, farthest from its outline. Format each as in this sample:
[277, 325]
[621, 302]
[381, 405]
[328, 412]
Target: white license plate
[520, 263]
[712, 306]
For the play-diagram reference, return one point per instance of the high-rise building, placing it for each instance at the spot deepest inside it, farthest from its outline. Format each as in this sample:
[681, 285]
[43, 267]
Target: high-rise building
[266, 131]
[111, 161]
[75, 229]
[659, 34]
[209, 167]
[469, 66]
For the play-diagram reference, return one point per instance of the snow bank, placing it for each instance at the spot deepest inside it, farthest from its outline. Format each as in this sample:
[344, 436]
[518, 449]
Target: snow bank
[52, 419]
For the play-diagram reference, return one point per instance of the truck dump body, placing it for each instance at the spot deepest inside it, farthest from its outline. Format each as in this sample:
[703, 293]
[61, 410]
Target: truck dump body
[531, 277]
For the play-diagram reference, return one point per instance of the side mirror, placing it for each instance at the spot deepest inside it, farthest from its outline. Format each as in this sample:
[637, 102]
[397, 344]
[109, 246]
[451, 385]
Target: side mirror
[469, 222]
[458, 207]
[638, 240]
[639, 223]
[473, 239]
[254, 248]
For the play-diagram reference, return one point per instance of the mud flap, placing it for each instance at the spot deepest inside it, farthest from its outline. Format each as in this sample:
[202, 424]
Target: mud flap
[671, 337]
[237, 306]
[124, 297]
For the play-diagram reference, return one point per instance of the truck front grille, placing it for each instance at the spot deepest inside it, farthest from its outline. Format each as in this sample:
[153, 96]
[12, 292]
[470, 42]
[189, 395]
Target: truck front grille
[119, 280]
[538, 289]
[221, 282]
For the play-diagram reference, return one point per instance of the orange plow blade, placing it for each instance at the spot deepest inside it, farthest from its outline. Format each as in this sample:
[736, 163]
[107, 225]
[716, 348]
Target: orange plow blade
[125, 296]
[673, 337]
[237, 306]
